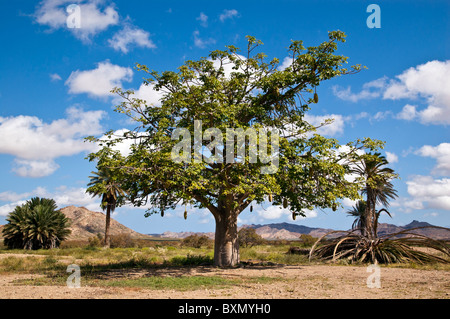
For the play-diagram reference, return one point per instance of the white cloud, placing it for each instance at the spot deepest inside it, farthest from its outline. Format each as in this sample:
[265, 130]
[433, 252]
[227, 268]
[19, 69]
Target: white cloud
[202, 43]
[228, 66]
[34, 169]
[287, 62]
[228, 14]
[442, 155]
[63, 197]
[55, 77]
[94, 16]
[428, 192]
[100, 81]
[370, 90]
[408, 113]
[391, 157]
[129, 36]
[333, 129]
[277, 212]
[149, 94]
[203, 18]
[36, 144]
[272, 212]
[430, 81]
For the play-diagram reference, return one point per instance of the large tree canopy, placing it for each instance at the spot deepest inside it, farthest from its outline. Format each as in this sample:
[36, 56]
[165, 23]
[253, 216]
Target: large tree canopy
[230, 90]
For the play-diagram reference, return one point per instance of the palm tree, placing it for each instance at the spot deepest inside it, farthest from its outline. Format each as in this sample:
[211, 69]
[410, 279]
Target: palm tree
[37, 224]
[378, 188]
[359, 212]
[104, 184]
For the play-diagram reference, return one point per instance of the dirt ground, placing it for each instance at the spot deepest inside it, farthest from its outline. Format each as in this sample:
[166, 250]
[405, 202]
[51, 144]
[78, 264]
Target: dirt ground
[305, 281]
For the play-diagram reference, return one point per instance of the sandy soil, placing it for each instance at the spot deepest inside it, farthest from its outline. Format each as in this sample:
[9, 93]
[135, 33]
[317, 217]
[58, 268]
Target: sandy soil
[306, 281]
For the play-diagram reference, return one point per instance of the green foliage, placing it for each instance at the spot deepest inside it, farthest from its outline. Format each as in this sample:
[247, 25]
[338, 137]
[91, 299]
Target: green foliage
[96, 241]
[197, 241]
[254, 94]
[307, 240]
[191, 260]
[37, 224]
[105, 184]
[378, 190]
[248, 237]
[122, 241]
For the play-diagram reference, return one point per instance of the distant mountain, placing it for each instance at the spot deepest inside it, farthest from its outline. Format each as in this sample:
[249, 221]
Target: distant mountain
[289, 231]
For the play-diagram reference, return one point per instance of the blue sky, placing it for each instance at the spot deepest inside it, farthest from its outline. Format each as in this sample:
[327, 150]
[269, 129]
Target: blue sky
[55, 83]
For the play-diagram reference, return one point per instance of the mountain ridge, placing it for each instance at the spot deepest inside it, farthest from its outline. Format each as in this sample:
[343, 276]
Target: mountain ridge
[86, 223]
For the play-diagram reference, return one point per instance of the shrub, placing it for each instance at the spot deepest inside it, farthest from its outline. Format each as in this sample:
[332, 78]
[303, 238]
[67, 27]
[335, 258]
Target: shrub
[37, 224]
[197, 241]
[96, 241]
[122, 241]
[307, 240]
[249, 237]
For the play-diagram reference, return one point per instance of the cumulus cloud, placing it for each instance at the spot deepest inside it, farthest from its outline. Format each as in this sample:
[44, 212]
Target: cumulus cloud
[35, 144]
[35, 169]
[95, 16]
[442, 155]
[391, 157]
[429, 192]
[148, 94]
[131, 36]
[408, 113]
[276, 212]
[428, 82]
[100, 81]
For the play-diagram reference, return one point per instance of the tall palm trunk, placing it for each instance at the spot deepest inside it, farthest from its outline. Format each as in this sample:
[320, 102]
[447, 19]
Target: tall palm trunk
[107, 224]
[370, 215]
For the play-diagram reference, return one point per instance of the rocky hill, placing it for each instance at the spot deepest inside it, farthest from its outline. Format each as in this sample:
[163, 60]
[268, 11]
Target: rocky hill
[86, 224]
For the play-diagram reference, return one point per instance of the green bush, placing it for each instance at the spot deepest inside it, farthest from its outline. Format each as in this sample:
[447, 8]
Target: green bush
[248, 237]
[37, 224]
[197, 241]
[122, 241]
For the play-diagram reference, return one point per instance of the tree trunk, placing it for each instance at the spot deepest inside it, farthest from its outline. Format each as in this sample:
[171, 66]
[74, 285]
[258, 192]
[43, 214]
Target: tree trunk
[226, 245]
[370, 216]
[108, 221]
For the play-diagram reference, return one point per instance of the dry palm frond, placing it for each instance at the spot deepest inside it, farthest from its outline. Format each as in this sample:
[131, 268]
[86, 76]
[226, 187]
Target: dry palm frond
[385, 250]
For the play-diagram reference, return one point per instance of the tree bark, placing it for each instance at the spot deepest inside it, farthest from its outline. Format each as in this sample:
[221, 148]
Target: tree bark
[370, 216]
[108, 222]
[226, 245]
